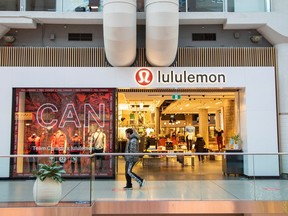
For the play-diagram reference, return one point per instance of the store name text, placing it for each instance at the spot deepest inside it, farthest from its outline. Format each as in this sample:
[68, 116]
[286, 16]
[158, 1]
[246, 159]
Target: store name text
[70, 115]
[184, 77]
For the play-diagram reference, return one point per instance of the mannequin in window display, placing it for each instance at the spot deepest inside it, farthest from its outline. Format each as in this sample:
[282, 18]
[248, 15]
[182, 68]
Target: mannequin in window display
[76, 147]
[190, 136]
[189, 141]
[59, 145]
[45, 141]
[219, 138]
[98, 145]
[33, 142]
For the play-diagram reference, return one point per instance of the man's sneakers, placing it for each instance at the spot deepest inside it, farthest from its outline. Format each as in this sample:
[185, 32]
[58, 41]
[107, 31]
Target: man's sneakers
[142, 183]
[128, 188]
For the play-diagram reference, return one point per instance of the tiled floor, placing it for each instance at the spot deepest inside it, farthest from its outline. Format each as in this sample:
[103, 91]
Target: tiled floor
[201, 182]
[103, 190]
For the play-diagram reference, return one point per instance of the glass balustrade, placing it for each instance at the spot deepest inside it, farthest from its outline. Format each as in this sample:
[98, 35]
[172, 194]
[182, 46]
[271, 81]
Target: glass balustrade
[97, 5]
[169, 175]
[27, 190]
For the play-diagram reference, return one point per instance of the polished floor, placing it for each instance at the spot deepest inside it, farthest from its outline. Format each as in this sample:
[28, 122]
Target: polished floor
[203, 181]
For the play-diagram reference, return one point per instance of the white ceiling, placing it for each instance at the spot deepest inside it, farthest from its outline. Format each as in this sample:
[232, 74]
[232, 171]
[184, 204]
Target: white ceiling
[189, 102]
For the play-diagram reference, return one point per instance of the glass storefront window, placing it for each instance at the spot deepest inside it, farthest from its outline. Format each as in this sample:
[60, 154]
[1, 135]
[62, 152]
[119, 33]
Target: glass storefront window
[230, 6]
[63, 121]
[182, 5]
[40, 5]
[9, 5]
[97, 5]
[251, 6]
[205, 5]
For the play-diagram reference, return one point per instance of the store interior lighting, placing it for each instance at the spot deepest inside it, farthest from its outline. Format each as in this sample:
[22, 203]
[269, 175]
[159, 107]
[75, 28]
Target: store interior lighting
[172, 119]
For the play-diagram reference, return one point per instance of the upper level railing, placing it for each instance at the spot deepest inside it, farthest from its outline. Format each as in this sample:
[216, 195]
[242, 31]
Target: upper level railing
[97, 5]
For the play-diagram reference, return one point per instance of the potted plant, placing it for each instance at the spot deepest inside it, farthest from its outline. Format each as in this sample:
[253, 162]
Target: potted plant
[236, 140]
[47, 187]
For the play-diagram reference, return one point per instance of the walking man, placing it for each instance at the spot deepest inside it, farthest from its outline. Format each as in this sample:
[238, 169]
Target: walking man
[132, 146]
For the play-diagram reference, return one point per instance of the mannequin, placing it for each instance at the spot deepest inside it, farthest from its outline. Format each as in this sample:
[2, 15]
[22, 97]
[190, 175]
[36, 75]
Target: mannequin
[219, 138]
[190, 134]
[76, 148]
[98, 145]
[189, 139]
[59, 145]
[33, 149]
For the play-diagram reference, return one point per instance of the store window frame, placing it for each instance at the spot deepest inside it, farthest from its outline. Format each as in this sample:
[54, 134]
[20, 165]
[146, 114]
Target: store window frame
[74, 111]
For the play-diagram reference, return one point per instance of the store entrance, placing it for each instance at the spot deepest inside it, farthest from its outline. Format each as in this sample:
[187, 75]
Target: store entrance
[171, 119]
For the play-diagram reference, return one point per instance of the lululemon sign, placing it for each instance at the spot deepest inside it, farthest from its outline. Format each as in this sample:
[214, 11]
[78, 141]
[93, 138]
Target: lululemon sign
[144, 77]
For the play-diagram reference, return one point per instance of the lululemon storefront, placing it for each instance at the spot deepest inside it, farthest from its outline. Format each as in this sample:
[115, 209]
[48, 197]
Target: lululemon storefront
[83, 101]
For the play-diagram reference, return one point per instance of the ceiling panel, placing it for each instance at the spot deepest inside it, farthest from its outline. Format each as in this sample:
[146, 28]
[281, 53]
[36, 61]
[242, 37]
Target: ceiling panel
[190, 101]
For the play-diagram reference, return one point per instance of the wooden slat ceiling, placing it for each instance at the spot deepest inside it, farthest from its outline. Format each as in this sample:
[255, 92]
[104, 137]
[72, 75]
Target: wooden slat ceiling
[95, 57]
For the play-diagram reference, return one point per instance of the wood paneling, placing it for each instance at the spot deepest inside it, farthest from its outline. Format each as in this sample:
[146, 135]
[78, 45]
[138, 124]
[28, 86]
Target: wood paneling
[95, 57]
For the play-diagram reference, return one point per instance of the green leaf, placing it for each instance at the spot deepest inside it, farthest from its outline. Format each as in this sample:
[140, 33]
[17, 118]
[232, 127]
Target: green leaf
[53, 171]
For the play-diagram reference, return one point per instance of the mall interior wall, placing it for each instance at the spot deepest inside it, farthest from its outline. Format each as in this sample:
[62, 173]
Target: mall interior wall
[41, 37]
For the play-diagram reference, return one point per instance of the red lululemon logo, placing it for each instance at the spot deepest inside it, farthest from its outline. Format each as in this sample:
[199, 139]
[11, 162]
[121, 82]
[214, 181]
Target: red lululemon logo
[144, 77]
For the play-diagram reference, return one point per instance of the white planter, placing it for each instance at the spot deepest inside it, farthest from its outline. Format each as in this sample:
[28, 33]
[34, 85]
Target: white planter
[47, 192]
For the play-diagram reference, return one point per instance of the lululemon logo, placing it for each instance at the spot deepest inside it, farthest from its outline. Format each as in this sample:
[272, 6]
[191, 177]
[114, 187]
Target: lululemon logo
[144, 77]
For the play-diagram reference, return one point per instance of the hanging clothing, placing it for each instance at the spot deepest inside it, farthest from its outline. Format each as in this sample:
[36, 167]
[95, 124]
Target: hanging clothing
[99, 140]
[59, 142]
[76, 145]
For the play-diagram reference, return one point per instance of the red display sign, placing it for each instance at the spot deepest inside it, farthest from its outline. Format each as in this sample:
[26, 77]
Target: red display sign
[64, 121]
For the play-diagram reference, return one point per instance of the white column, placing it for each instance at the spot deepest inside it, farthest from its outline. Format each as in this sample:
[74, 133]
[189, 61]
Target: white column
[282, 81]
